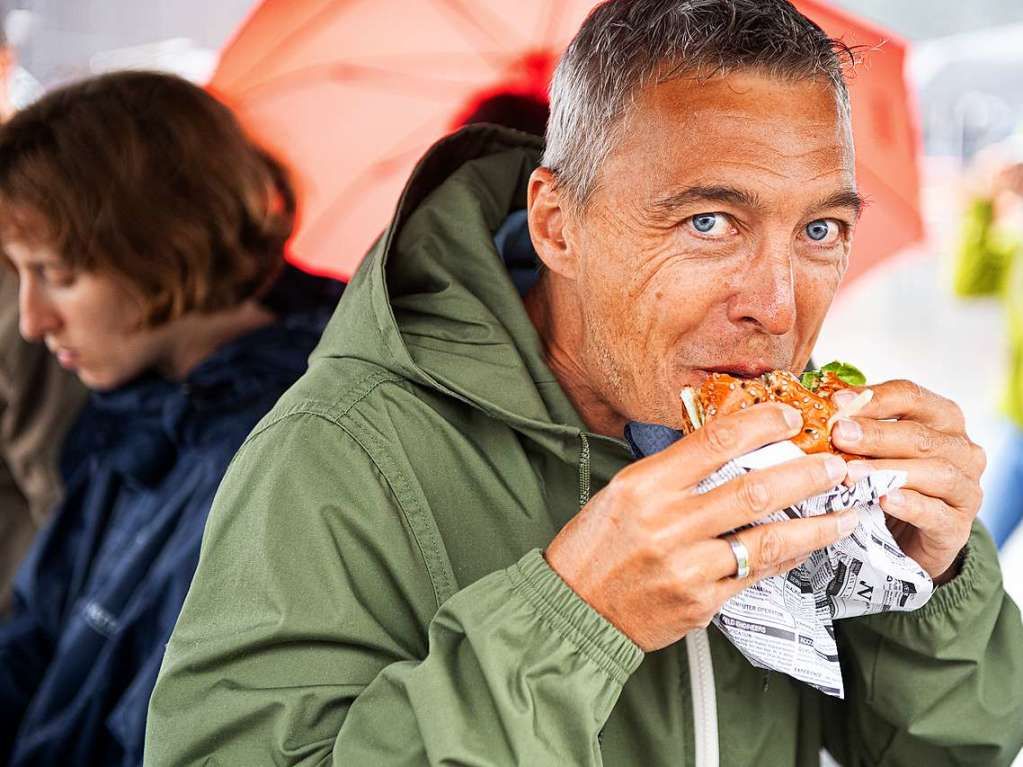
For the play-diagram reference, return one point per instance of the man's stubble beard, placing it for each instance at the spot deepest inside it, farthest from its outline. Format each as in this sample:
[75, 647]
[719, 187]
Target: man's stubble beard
[611, 377]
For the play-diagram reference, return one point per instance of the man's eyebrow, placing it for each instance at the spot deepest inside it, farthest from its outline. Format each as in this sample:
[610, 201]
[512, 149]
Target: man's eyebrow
[846, 198]
[712, 193]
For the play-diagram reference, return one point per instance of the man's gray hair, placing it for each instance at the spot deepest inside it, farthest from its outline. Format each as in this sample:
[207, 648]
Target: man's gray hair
[623, 44]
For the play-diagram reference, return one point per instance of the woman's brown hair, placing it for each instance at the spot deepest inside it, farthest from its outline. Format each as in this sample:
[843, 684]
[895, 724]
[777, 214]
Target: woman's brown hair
[148, 177]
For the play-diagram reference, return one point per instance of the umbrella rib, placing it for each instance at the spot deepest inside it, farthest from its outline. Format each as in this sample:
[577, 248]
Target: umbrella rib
[471, 22]
[328, 215]
[877, 180]
[285, 42]
[555, 11]
[418, 60]
[353, 73]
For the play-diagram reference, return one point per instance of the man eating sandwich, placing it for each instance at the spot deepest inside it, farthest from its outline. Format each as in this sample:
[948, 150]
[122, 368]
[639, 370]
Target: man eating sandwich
[439, 549]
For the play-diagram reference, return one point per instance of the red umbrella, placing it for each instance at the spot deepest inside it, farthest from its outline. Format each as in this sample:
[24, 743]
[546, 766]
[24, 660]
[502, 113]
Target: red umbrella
[352, 92]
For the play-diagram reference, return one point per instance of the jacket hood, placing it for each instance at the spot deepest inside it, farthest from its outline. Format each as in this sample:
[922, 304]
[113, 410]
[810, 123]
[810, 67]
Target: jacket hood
[433, 300]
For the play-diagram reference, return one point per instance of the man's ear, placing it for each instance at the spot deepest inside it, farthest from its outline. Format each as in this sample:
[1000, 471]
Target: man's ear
[548, 223]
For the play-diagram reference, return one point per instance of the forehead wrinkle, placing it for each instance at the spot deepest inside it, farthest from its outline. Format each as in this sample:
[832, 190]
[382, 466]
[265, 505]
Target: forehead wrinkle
[737, 144]
[823, 125]
[782, 172]
[757, 149]
[822, 136]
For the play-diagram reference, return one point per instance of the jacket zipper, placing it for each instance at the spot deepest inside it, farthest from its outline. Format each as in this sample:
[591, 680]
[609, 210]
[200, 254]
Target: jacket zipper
[705, 708]
[701, 667]
[584, 470]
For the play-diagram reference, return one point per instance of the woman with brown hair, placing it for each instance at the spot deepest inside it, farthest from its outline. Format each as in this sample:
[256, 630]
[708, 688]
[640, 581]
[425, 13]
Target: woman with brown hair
[148, 236]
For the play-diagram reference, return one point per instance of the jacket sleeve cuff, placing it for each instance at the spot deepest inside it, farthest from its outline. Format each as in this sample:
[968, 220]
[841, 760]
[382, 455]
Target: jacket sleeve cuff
[574, 619]
[979, 577]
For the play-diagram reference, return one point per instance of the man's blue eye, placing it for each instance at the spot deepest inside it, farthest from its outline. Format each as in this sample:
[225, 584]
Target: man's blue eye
[704, 222]
[817, 230]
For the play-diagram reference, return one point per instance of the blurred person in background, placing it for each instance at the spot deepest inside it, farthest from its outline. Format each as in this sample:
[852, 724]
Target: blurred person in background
[148, 235]
[990, 263]
[521, 111]
[38, 402]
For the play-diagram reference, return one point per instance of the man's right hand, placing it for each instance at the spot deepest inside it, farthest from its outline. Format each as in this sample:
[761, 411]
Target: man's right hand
[647, 553]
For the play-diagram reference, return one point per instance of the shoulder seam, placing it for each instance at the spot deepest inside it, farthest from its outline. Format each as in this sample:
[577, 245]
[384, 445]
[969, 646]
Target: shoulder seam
[329, 411]
[419, 519]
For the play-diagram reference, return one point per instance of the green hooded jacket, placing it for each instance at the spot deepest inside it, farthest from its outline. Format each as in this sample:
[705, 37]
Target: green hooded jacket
[371, 589]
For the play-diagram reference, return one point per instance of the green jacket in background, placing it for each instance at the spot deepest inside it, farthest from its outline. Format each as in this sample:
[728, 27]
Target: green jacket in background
[371, 589]
[989, 264]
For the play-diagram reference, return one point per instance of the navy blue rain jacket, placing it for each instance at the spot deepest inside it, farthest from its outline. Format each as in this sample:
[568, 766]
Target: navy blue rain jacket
[98, 595]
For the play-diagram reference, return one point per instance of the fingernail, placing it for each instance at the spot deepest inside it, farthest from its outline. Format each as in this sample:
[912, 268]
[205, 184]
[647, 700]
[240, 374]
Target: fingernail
[848, 431]
[793, 419]
[857, 470]
[835, 467]
[895, 498]
[847, 522]
[843, 397]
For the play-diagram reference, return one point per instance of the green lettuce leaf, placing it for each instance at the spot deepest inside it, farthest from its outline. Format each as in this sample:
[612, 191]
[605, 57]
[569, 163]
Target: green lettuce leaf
[811, 379]
[846, 372]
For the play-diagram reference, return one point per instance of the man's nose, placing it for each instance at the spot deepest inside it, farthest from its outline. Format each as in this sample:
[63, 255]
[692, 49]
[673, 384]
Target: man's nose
[36, 316]
[766, 297]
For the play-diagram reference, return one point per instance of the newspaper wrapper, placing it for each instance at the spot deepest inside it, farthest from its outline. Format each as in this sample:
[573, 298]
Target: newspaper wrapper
[785, 622]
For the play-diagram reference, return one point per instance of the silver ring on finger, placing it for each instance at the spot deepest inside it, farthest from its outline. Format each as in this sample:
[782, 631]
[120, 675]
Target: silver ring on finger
[741, 554]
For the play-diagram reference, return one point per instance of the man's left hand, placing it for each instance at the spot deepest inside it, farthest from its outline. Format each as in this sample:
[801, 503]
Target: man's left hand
[908, 428]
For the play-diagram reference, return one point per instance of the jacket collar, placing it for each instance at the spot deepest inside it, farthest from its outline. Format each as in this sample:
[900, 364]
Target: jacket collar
[140, 427]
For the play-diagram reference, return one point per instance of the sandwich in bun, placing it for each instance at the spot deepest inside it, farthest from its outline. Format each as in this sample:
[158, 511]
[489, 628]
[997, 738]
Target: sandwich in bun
[810, 394]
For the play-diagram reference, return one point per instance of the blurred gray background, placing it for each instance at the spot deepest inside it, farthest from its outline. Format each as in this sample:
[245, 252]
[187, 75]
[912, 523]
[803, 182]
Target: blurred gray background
[923, 19]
